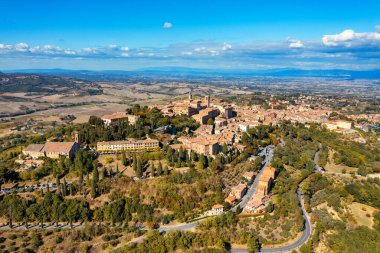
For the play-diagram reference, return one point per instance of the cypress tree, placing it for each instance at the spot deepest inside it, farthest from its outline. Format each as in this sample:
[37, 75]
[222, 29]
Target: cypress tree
[139, 170]
[95, 175]
[159, 169]
[124, 159]
[135, 163]
[93, 189]
[64, 187]
[58, 183]
[104, 173]
[80, 181]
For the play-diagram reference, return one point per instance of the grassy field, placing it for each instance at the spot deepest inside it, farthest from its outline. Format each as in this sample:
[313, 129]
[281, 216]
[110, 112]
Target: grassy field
[363, 214]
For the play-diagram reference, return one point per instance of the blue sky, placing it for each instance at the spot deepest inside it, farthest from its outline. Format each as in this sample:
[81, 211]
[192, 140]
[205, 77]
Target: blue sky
[201, 34]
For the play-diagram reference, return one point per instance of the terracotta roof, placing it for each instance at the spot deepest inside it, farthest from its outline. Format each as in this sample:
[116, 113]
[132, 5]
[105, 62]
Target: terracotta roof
[179, 146]
[8, 185]
[34, 147]
[217, 206]
[270, 168]
[269, 172]
[265, 178]
[230, 199]
[58, 147]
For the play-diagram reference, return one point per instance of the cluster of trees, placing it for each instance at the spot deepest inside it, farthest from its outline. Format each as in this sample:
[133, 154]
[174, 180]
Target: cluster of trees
[122, 210]
[52, 208]
[349, 153]
[213, 237]
[182, 158]
[258, 136]
[319, 189]
[140, 164]
[366, 191]
[56, 208]
[173, 241]
[297, 150]
[184, 193]
[361, 239]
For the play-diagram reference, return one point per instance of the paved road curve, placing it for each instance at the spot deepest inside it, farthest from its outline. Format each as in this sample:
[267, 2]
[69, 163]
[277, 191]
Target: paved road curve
[306, 233]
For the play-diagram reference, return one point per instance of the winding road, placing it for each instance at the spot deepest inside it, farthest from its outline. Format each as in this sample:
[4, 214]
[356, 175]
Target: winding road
[306, 233]
[269, 151]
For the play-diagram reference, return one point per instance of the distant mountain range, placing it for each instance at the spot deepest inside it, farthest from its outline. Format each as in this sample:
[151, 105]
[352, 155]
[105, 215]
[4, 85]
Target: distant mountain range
[180, 71]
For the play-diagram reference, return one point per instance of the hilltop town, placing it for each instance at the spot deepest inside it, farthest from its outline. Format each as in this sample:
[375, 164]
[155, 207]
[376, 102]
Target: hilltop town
[187, 165]
[190, 126]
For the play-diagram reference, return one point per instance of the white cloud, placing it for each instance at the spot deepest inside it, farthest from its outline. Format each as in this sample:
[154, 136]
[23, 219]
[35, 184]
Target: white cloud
[22, 47]
[167, 25]
[296, 44]
[226, 46]
[90, 50]
[70, 52]
[3, 46]
[350, 38]
[35, 49]
[268, 53]
[378, 28]
[49, 49]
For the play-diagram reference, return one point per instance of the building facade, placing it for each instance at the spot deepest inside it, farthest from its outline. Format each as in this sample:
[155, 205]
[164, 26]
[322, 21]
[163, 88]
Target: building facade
[238, 191]
[119, 117]
[52, 150]
[200, 145]
[128, 145]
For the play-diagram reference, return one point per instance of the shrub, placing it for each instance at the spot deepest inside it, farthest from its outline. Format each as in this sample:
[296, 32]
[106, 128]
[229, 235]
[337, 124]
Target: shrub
[13, 249]
[27, 250]
[59, 239]
[108, 159]
[114, 243]
[12, 236]
[104, 246]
